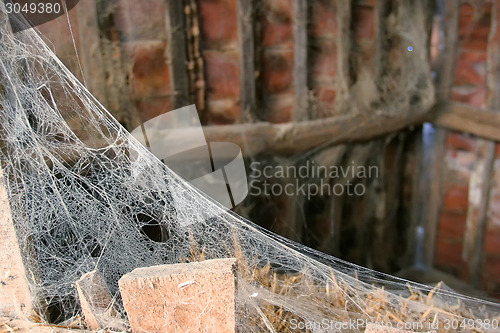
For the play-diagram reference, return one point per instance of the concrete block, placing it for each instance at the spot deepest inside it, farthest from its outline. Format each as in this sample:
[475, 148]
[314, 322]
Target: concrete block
[97, 303]
[15, 294]
[192, 297]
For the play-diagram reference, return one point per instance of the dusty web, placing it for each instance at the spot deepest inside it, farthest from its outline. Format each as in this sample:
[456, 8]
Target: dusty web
[86, 195]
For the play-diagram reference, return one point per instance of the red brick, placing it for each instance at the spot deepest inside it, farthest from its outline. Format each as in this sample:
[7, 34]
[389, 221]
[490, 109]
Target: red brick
[490, 274]
[223, 111]
[474, 26]
[153, 107]
[277, 23]
[459, 165]
[365, 23]
[277, 72]
[324, 60]
[324, 18]
[219, 23]
[460, 141]
[449, 253]
[141, 20]
[471, 69]
[452, 225]
[279, 109]
[325, 99]
[492, 241]
[222, 74]
[456, 199]
[325, 94]
[150, 70]
[471, 95]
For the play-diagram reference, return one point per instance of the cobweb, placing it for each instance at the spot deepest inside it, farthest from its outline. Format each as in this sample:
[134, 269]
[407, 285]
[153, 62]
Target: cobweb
[85, 195]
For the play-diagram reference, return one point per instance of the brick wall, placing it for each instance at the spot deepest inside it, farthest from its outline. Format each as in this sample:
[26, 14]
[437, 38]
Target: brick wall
[463, 152]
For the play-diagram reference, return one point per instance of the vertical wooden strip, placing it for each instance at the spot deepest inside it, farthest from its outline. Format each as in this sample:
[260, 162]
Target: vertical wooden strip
[477, 213]
[431, 208]
[91, 58]
[247, 52]
[300, 10]
[176, 36]
[343, 51]
[480, 182]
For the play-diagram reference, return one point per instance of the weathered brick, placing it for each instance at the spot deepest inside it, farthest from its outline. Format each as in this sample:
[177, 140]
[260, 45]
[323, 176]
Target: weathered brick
[471, 95]
[223, 111]
[490, 273]
[365, 23]
[193, 297]
[452, 224]
[325, 94]
[279, 108]
[277, 72]
[492, 240]
[150, 72]
[460, 141]
[277, 23]
[471, 68]
[222, 73]
[323, 58]
[474, 26]
[219, 24]
[153, 107]
[324, 18]
[141, 20]
[456, 199]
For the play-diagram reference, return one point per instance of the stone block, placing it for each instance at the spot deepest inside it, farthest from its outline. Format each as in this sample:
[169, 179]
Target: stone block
[192, 297]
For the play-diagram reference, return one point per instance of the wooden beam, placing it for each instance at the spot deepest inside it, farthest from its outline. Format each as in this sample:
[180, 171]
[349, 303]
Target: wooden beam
[470, 119]
[293, 138]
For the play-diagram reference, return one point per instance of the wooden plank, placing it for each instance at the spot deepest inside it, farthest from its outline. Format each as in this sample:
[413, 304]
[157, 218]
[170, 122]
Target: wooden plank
[300, 14]
[247, 43]
[91, 59]
[176, 36]
[431, 207]
[292, 138]
[477, 212]
[469, 119]
[343, 51]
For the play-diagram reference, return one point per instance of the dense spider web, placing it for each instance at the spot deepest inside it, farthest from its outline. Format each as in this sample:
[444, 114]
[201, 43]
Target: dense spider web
[85, 195]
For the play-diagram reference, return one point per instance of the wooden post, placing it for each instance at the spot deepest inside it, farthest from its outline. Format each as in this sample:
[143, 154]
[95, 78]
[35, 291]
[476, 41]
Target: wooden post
[431, 209]
[15, 295]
